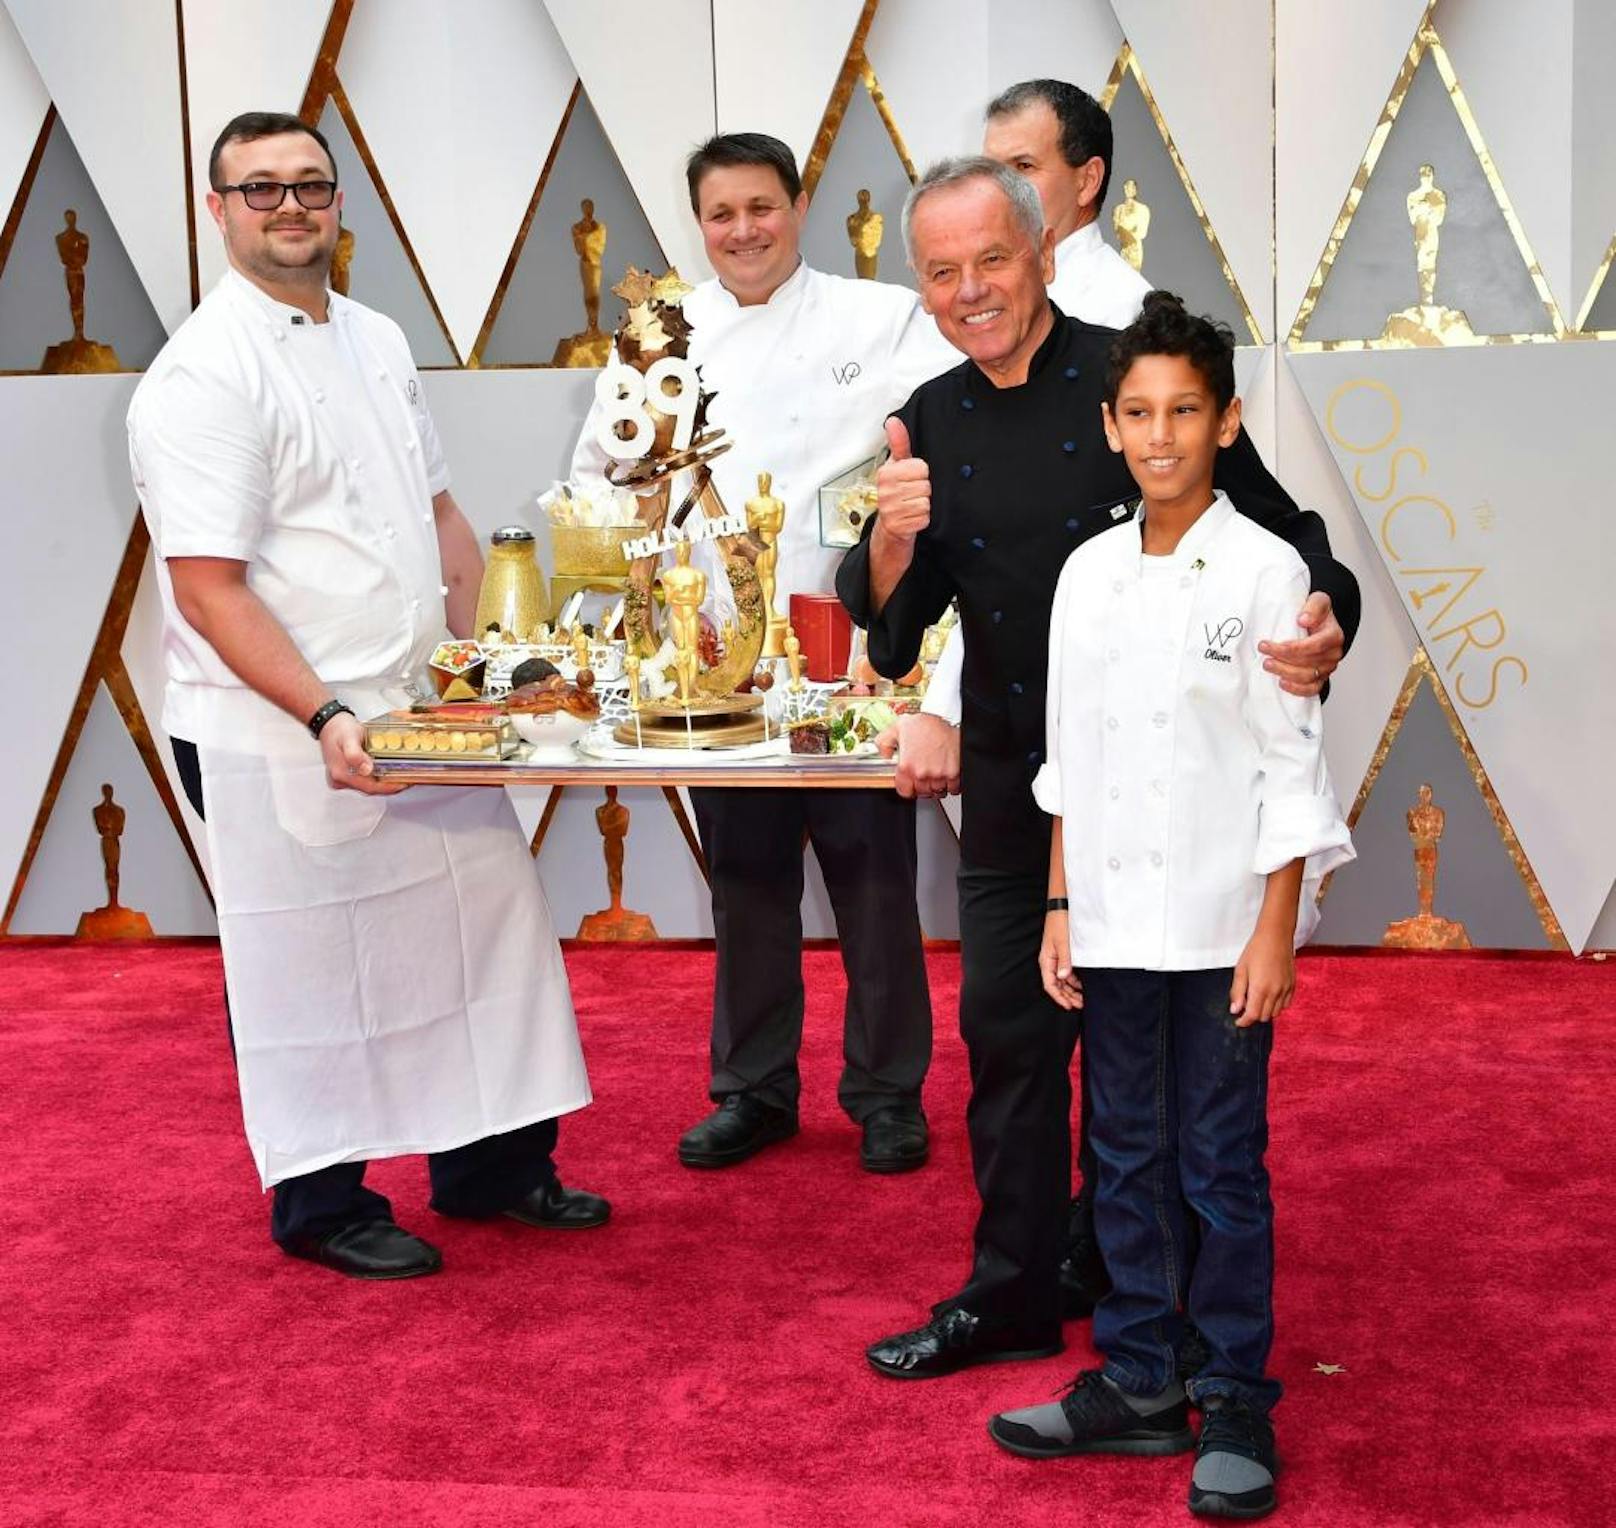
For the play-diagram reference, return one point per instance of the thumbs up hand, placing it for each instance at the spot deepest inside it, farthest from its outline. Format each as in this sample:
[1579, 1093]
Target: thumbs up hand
[902, 488]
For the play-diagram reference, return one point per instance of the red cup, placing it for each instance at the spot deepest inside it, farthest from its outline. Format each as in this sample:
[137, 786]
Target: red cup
[825, 630]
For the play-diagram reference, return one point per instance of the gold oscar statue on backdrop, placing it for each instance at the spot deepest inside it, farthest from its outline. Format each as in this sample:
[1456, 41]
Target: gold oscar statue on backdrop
[1426, 323]
[1426, 930]
[112, 921]
[589, 347]
[1130, 220]
[77, 356]
[864, 230]
[341, 260]
[765, 516]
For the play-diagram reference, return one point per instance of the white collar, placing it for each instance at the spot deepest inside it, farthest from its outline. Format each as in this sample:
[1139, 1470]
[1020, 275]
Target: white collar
[279, 315]
[1084, 243]
[787, 291]
[1196, 541]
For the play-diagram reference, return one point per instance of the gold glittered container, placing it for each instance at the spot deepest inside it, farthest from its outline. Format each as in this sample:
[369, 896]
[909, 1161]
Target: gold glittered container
[512, 596]
[592, 551]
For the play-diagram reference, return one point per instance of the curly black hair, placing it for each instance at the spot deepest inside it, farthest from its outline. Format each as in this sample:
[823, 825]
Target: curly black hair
[1164, 327]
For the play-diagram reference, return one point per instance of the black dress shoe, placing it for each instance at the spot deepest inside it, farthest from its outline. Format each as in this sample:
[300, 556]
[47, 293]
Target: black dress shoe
[738, 1128]
[895, 1140]
[372, 1249]
[560, 1209]
[955, 1340]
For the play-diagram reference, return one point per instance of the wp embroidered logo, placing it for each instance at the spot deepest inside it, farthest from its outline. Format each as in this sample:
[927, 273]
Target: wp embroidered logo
[846, 375]
[1219, 638]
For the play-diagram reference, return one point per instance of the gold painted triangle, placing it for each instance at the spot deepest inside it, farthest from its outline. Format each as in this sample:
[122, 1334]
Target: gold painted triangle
[1127, 63]
[1426, 41]
[855, 71]
[1421, 671]
[1595, 288]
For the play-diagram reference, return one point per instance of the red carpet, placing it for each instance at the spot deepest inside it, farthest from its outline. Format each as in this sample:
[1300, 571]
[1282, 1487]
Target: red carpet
[1443, 1159]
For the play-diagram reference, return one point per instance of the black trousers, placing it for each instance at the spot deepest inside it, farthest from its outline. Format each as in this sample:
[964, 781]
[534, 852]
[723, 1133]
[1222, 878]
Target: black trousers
[1020, 1047]
[865, 843]
[478, 1179]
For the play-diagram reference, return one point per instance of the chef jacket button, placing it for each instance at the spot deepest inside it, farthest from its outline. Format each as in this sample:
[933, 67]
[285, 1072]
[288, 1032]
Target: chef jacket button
[998, 615]
[967, 403]
[1116, 588]
[1158, 788]
[1071, 524]
[978, 542]
[426, 519]
[443, 588]
[967, 470]
[412, 444]
[1115, 792]
[356, 465]
[1068, 446]
[1114, 863]
[1159, 719]
[1112, 655]
[1016, 687]
[1034, 756]
[389, 532]
[1185, 581]
[280, 336]
[793, 417]
[1111, 724]
[319, 395]
[1071, 374]
[381, 373]
[1155, 858]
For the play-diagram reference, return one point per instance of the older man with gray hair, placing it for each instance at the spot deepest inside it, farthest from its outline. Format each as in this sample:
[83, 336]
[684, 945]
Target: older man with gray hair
[999, 468]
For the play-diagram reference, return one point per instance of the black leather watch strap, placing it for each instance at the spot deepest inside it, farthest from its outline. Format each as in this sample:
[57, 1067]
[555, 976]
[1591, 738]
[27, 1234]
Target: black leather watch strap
[324, 714]
[1055, 905]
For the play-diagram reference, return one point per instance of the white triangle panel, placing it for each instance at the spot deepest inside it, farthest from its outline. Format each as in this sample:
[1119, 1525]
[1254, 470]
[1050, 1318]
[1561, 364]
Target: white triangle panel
[1593, 130]
[1364, 690]
[1603, 936]
[1505, 583]
[649, 75]
[1514, 64]
[787, 102]
[242, 55]
[23, 103]
[1075, 40]
[1255, 384]
[113, 71]
[498, 88]
[1334, 71]
[1223, 132]
[143, 661]
[931, 57]
[69, 509]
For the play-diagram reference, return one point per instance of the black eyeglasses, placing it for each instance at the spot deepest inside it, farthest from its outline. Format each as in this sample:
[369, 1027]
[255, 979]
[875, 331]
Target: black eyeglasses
[267, 195]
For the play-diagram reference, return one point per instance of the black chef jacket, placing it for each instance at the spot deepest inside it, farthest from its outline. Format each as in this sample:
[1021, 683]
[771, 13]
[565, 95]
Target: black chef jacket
[1019, 477]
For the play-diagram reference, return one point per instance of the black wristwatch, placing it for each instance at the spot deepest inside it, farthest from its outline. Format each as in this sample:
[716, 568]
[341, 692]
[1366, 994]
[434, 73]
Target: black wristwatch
[1055, 905]
[323, 715]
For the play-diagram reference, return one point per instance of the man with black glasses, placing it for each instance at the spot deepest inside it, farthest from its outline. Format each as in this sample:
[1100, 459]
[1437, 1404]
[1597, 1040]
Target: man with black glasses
[395, 982]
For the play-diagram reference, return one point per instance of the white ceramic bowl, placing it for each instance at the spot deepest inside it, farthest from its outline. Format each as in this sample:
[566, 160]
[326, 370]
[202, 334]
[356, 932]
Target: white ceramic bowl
[555, 732]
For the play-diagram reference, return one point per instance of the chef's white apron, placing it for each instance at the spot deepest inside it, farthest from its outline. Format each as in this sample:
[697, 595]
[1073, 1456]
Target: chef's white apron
[395, 981]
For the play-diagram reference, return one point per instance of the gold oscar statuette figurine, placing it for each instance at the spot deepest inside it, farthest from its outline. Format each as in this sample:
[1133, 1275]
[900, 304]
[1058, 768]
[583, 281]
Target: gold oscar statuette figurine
[1427, 323]
[616, 923]
[580, 646]
[1426, 930]
[589, 347]
[794, 661]
[864, 230]
[684, 588]
[765, 516]
[112, 921]
[77, 356]
[631, 667]
[341, 261]
[1131, 222]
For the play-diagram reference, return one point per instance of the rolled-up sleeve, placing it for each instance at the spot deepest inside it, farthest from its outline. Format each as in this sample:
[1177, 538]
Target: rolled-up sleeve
[1046, 784]
[943, 688]
[1298, 815]
[201, 466]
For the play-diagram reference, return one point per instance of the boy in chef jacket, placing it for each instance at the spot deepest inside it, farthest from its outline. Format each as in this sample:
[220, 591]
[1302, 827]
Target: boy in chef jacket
[1200, 806]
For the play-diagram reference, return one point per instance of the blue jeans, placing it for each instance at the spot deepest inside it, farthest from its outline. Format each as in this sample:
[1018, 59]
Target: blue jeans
[1180, 1125]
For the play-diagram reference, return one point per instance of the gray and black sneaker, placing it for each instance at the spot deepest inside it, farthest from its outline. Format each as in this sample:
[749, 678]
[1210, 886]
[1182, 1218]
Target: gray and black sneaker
[1095, 1417]
[1235, 1462]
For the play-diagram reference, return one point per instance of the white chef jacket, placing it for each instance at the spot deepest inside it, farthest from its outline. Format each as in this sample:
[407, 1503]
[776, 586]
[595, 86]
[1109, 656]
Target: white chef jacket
[1092, 283]
[1181, 771]
[803, 384]
[248, 440]
[395, 980]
